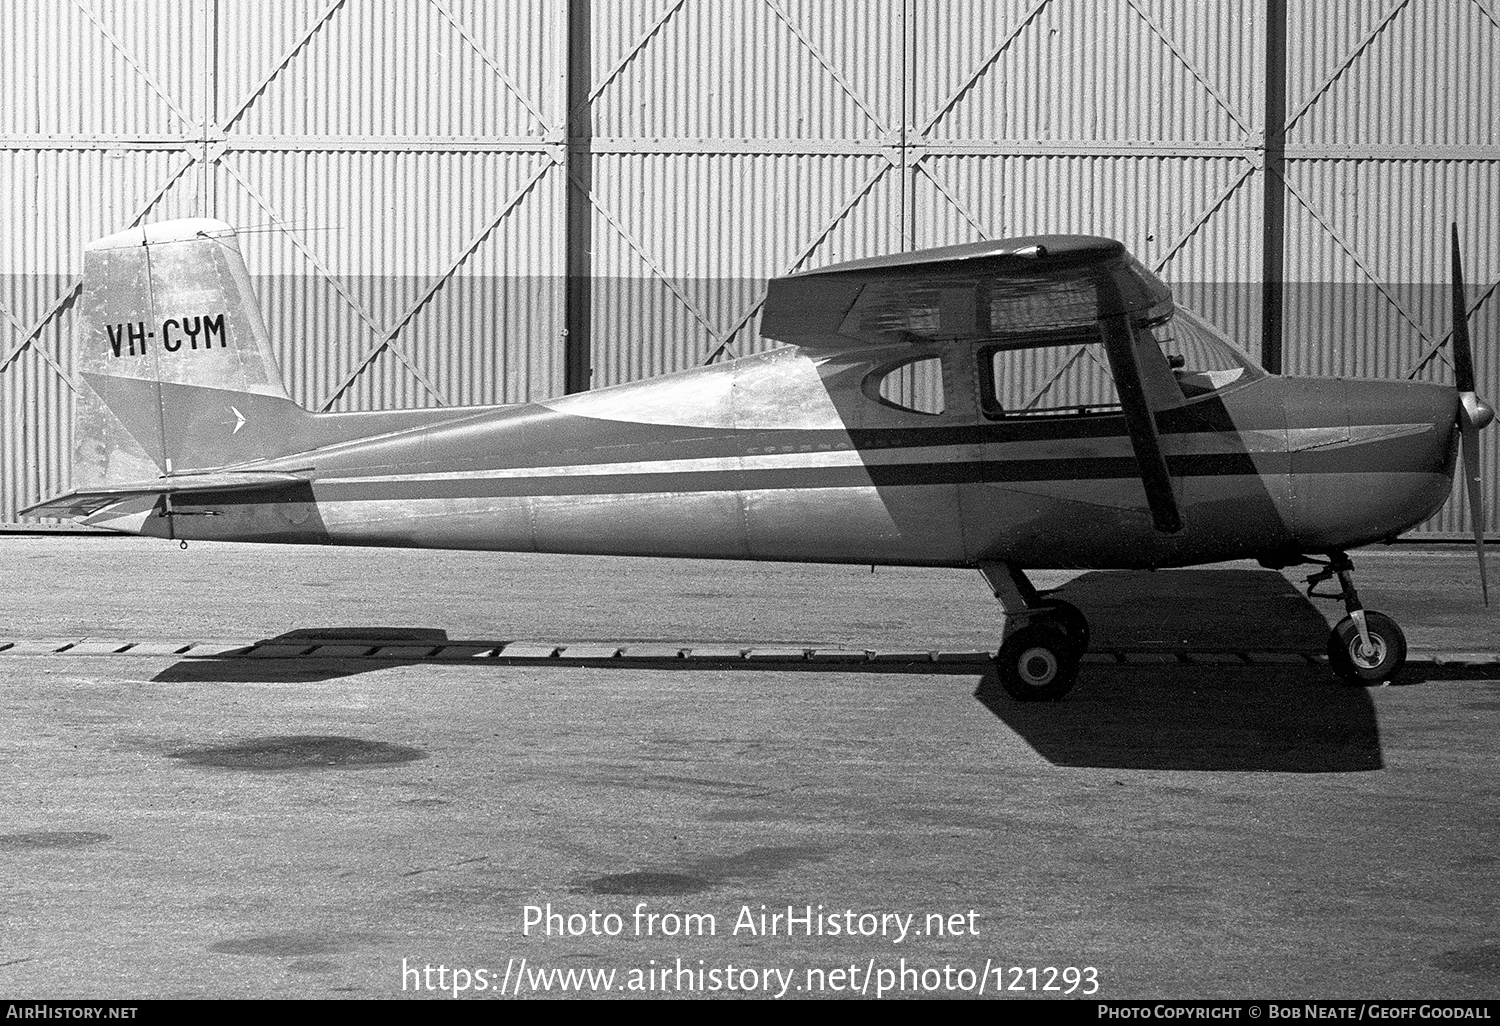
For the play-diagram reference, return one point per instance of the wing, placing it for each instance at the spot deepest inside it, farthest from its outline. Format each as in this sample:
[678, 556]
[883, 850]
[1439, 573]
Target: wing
[1019, 288]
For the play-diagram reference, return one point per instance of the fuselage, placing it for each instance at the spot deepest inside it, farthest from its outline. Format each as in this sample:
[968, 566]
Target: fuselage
[790, 456]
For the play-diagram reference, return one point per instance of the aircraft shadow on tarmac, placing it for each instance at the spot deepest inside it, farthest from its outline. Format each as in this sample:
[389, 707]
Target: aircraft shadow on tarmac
[1290, 717]
[1199, 610]
[1297, 722]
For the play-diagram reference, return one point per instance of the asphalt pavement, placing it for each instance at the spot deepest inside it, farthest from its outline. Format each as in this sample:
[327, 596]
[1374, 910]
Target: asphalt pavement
[239, 771]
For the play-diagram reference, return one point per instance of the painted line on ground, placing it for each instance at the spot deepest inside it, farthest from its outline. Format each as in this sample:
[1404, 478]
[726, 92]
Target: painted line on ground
[530, 651]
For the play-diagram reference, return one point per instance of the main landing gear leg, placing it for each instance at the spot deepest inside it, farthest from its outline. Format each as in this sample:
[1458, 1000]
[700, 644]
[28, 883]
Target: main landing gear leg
[1364, 647]
[1044, 638]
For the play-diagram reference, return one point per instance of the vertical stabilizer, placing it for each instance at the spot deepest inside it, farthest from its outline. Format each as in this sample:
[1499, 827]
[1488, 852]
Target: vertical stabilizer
[175, 354]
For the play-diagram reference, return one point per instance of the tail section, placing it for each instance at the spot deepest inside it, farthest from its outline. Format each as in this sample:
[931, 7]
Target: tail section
[181, 396]
[180, 373]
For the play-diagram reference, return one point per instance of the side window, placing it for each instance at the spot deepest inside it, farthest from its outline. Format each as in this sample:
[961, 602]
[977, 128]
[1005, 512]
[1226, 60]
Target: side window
[1070, 380]
[915, 386]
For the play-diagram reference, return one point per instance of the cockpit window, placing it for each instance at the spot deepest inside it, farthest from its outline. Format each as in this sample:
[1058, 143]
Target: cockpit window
[1047, 380]
[1070, 377]
[1203, 361]
[915, 386]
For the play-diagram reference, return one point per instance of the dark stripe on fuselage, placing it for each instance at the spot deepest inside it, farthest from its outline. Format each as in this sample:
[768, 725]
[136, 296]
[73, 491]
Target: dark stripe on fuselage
[1392, 456]
[896, 475]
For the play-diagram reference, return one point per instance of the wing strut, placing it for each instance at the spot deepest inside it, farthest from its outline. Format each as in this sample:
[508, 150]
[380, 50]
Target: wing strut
[1119, 346]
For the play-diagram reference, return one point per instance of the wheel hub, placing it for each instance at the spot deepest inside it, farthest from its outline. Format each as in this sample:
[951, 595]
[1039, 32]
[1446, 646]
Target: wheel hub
[1038, 666]
[1367, 658]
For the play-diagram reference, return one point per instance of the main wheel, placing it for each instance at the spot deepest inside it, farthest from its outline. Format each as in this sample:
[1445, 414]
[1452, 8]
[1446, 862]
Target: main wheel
[1037, 663]
[1349, 659]
[1070, 618]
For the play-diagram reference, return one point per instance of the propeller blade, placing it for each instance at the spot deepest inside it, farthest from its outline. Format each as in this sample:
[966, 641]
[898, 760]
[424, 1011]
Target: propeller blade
[1119, 346]
[1463, 354]
[1473, 414]
[1470, 439]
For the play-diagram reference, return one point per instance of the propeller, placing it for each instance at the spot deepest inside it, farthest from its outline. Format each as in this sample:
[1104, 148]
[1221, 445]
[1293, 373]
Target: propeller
[1474, 413]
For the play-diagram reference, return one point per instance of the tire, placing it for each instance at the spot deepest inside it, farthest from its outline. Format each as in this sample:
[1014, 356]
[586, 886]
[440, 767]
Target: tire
[1038, 663]
[1347, 658]
[1070, 619]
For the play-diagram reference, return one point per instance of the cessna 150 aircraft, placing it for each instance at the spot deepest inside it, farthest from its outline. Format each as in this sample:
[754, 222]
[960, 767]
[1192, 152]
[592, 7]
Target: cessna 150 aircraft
[1168, 449]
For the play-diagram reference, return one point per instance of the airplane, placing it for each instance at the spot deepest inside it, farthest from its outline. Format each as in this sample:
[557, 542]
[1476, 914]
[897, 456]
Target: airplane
[1006, 406]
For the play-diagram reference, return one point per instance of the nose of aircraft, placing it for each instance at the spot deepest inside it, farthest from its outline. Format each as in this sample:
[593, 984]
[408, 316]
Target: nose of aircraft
[1404, 436]
[1376, 409]
[1369, 459]
[1391, 464]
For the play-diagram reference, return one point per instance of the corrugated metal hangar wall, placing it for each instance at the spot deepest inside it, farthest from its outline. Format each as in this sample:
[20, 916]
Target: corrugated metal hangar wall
[460, 202]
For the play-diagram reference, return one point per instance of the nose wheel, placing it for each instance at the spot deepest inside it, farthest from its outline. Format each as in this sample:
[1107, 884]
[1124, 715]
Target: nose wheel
[1044, 640]
[1364, 647]
[1359, 661]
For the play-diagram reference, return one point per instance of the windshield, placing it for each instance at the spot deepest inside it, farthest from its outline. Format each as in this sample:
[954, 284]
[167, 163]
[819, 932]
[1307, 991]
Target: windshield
[1203, 359]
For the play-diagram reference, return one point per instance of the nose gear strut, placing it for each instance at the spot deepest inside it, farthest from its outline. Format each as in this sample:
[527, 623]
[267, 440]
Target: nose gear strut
[1365, 647]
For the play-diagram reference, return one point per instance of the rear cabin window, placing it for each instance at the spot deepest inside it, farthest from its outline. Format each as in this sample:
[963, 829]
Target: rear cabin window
[1067, 380]
[915, 386]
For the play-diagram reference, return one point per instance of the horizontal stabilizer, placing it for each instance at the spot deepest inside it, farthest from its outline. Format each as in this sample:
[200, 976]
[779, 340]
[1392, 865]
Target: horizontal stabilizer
[84, 502]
